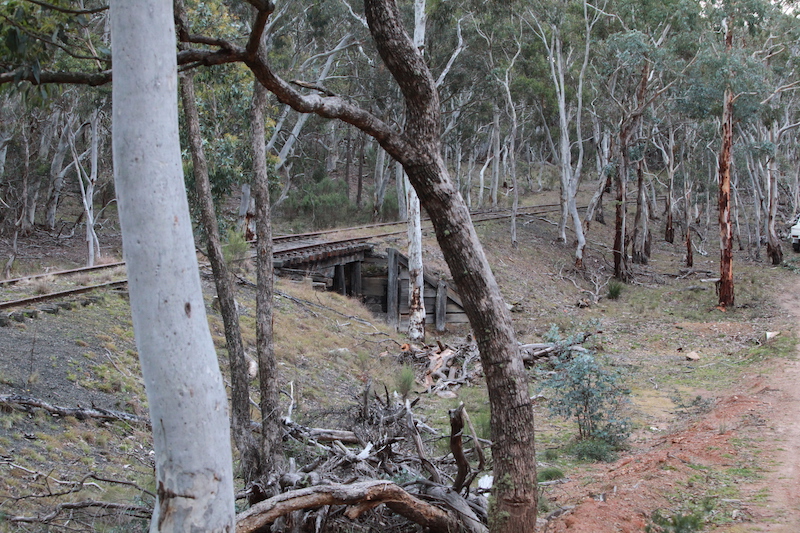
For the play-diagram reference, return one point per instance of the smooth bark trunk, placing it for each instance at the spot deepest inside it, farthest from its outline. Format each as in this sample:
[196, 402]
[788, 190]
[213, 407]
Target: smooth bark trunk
[188, 405]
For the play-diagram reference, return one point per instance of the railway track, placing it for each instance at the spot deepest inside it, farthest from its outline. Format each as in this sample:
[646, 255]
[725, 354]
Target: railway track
[285, 248]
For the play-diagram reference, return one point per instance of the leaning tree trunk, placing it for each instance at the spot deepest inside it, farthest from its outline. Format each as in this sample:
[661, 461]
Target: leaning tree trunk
[418, 149]
[188, 405]
[251, 460]
[87, 183]
[515, 490]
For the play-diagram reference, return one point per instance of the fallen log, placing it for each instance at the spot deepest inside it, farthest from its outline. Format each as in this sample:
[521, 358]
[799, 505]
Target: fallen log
[17, 401]
[363, 496]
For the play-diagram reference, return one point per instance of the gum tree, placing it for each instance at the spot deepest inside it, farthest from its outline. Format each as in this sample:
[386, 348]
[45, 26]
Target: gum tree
[188, 405]
[417, 147]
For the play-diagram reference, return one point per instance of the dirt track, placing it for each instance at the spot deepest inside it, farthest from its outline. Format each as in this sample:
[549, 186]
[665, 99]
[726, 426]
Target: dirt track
[755, 425]
[782, 510]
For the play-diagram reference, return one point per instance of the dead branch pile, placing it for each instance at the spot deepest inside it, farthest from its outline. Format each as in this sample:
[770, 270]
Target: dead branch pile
[443, 369]
[378, 475]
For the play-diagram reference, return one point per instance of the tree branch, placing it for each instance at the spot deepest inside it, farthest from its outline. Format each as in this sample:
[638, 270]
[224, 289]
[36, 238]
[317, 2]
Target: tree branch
[81, 413]
[68, 11]
[373, 492]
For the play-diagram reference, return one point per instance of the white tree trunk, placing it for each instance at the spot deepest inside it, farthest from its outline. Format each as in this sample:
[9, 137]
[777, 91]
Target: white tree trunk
[188, 405]
[400, 188]
[416, 280]
[495, 154]
[88, 182]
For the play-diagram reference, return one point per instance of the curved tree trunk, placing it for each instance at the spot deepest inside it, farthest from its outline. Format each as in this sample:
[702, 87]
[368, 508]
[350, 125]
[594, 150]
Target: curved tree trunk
[188, 405]
[515, 489]
[418, 149]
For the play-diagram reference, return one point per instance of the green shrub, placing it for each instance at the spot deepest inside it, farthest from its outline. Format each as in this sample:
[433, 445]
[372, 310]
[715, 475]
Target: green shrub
[582, 389]
[405, 380]
[615, 289]
[236, 249]
[593, 450]
[550, 454]
[549, 474]
[677, 523]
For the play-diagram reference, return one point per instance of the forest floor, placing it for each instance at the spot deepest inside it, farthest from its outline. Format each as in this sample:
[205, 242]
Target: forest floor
[716, 439]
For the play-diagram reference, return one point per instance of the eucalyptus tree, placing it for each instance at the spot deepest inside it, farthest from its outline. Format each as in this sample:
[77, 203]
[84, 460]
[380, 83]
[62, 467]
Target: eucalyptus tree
[727, 83]
[778, 53]
[569, 62]
[185, 392]
[642, 56]
[417, 146]
[88, 182]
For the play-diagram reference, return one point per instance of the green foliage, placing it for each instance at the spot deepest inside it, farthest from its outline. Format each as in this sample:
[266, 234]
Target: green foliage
[712, 73]
[593, 450]
[324, 203]
[615, 289]
[549, 474]
[550, 454]
[237, 248]
[677, 523]
[405, 380]
[582, 389]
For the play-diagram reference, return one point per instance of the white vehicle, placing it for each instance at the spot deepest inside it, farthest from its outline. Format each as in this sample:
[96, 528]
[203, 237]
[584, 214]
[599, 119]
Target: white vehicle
[795, 236]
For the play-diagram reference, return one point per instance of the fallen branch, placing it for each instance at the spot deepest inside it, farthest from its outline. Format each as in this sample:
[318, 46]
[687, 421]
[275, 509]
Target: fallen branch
[138, 511]
[16, 401]
[364, 495]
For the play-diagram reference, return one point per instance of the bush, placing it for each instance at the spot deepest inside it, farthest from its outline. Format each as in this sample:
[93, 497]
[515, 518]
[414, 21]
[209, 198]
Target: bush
[615, 289]
[677, 523]
[584, 390]
[550, 454]
[405, 380]
[593, 450]
[236, 249]
[549, 474]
